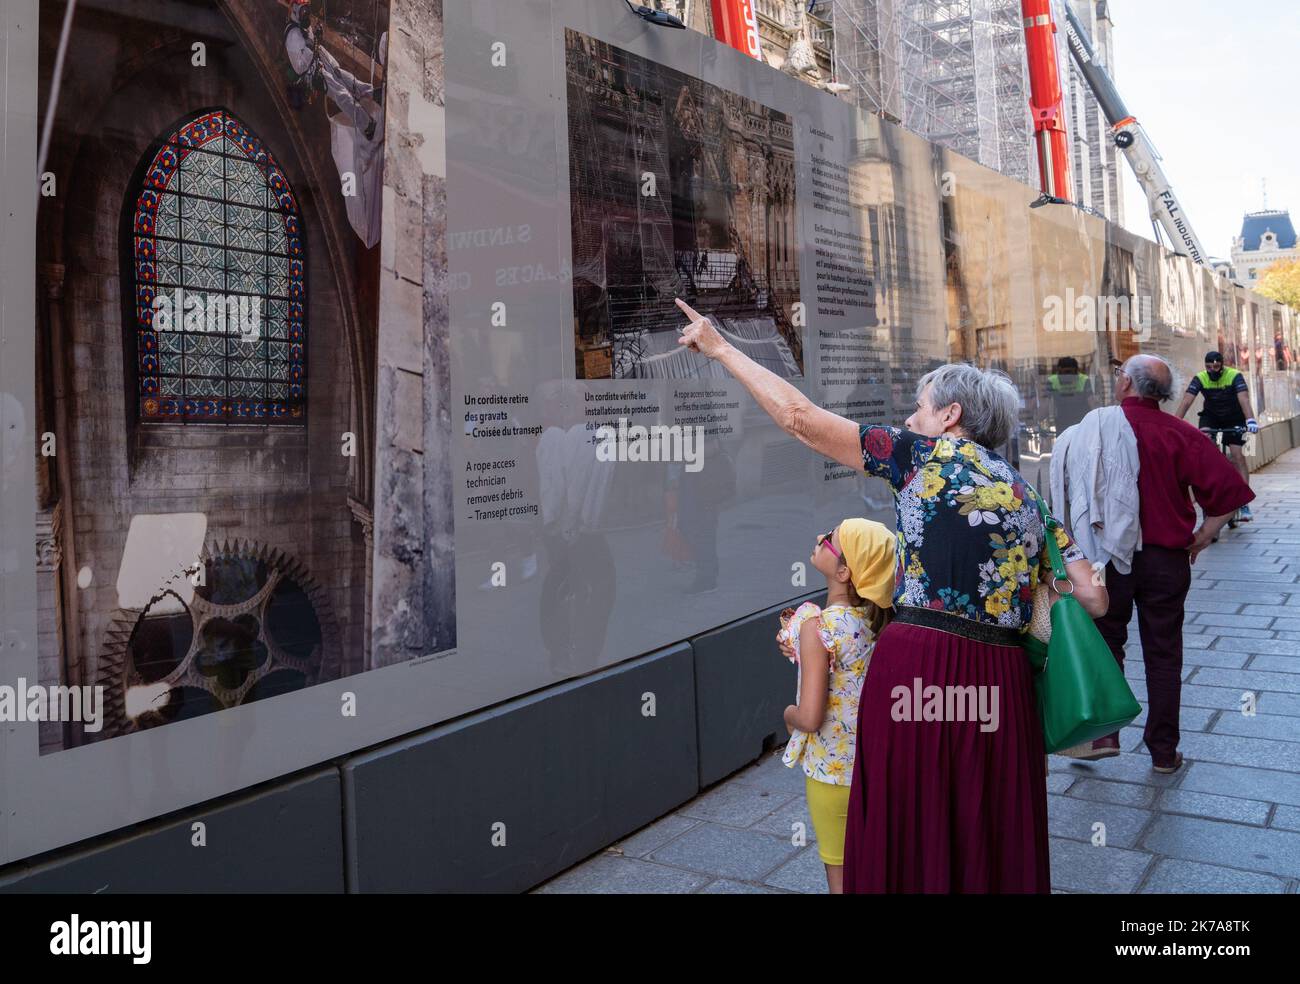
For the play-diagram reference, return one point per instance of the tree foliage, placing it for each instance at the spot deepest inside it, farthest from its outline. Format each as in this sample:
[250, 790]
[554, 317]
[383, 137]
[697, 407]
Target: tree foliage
[1281, 283]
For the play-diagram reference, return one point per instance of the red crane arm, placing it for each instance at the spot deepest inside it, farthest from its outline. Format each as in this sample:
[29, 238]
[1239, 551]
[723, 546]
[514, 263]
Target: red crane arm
[1046, 104]
[735, 22]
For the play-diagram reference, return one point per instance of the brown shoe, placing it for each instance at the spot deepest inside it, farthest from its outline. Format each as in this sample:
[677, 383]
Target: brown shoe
[1166, 770]
[1090, 751]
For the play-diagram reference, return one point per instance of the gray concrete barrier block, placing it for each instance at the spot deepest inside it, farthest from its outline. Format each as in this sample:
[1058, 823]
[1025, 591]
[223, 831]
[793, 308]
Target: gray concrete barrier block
[742, 684]
[505, 798]
[281, 838]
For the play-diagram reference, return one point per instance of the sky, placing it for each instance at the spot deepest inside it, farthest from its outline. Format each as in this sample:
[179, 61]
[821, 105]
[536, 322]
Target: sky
[1216, 87]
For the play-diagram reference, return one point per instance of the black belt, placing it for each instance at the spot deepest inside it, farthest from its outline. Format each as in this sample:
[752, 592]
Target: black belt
[934, 618]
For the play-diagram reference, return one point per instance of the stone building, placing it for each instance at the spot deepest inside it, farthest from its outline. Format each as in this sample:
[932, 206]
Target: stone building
[794, 38]
[1266, 237]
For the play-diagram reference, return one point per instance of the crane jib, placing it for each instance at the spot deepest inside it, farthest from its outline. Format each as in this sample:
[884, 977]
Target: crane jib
[1172, 210]
[1135, 144]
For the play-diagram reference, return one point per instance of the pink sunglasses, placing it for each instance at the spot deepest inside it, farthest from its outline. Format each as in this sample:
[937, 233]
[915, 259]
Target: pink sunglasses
[825, 540]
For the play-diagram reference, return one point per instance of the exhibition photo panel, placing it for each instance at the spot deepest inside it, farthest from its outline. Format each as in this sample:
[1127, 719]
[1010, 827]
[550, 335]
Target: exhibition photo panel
[209, 290]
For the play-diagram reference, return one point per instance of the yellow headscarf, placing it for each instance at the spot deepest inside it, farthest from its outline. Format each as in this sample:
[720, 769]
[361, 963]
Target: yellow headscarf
[869, 550]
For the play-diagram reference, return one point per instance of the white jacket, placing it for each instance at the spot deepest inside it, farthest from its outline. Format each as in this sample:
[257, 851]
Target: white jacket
[1094, 486]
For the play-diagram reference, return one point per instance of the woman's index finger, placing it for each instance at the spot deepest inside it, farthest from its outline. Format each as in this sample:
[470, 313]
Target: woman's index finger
[689, 311]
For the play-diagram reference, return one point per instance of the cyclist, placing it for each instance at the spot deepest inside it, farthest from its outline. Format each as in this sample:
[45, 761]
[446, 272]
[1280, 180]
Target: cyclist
[1227, 404]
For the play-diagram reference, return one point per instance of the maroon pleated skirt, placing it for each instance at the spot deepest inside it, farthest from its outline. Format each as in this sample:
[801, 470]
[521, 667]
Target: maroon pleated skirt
[943, 805]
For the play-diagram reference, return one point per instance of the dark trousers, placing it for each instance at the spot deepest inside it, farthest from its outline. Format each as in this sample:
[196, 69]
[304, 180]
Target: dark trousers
[1158, 583]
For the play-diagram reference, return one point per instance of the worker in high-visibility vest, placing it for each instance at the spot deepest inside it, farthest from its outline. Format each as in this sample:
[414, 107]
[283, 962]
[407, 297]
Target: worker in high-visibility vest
[1067, 378]
[1227, 405]
[1071, 393]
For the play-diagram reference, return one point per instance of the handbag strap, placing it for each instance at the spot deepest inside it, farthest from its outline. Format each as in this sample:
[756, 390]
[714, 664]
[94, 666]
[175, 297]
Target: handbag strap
[1050, 526]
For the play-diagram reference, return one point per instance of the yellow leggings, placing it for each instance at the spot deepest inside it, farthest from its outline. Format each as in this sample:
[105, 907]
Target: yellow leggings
[829, 808]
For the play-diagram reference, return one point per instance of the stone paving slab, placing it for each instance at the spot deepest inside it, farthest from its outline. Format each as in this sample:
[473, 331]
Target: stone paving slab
[1262, 784]
[1196, 804]
[1231, 750]
[1120, 793]
[1077, 866]
[1278, 726]
[1172, 877]
[1235, 621]
[1288, 704]
[746, 855]
[1213, 657]
[783, 821]
[736, 805]
[725, 886]
[1080, 819]
[805, 873]
[1196, 839]
[1287, 663]
[1191, 719]
[1240, 644]
[625, 876]
[1229, 821]
[1059, 782]
[655, 836]
[1286, 818]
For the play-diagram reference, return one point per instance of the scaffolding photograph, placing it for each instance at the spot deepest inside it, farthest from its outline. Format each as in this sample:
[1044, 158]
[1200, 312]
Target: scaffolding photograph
[678, 189]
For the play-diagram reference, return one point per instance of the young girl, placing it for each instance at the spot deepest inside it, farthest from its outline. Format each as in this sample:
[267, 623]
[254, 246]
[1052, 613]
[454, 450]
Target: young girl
[832, 647]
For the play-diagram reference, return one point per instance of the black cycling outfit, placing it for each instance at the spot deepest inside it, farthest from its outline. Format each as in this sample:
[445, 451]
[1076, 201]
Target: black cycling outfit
[1222, 408]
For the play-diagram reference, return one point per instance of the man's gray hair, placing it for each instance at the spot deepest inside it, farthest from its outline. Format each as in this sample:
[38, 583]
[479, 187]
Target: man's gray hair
[1153, 377]
[990, 404]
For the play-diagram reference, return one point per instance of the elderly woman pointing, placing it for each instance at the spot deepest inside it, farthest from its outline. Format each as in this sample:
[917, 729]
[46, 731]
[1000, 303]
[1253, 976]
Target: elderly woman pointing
[949, 792]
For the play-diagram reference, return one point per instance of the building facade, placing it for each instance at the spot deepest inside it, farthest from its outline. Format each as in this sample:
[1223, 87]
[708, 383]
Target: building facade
[1267, 237]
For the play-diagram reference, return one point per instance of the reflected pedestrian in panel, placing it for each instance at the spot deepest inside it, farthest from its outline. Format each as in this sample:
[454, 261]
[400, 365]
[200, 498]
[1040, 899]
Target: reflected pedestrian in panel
[580, 583]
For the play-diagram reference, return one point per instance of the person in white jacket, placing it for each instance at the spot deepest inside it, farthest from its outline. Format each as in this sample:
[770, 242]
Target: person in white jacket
[1095, 487]
[1095, 493]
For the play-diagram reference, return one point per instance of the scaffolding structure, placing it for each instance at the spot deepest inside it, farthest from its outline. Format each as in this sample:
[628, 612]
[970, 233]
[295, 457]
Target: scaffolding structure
[954, 71]
[950, 70]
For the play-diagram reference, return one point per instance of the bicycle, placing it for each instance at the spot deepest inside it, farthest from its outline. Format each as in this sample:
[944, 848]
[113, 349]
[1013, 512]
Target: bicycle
[1215, 434]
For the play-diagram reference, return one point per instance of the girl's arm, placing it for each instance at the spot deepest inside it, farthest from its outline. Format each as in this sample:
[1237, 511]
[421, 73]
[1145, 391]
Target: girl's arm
[814, 680]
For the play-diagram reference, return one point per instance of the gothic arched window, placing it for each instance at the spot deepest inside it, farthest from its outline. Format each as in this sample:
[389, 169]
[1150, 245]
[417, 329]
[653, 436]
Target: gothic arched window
[217, 271]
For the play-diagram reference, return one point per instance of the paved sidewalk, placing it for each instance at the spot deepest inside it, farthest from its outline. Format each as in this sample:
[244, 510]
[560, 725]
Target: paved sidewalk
[1228, 821]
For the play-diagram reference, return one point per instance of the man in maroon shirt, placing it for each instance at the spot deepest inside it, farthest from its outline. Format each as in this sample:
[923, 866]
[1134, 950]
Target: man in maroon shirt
[1175, 462]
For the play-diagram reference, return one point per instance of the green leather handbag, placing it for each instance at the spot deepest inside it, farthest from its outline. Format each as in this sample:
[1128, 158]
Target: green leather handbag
[1081, 690]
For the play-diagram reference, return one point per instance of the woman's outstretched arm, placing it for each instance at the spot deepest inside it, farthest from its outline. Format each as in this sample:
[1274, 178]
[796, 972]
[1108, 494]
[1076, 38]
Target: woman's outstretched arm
[826, 433]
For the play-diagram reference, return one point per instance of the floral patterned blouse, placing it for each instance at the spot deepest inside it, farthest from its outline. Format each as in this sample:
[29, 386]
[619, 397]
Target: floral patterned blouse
[968, 525]
[827, 753]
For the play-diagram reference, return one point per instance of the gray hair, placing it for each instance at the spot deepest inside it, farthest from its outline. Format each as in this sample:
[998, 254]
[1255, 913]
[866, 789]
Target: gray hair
[1153, 377]
[990, 404]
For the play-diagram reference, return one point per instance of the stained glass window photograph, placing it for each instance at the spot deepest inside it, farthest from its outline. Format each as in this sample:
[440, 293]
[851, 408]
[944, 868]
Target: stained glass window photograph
[219, 292]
